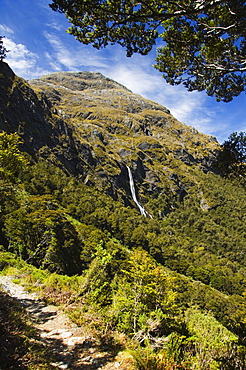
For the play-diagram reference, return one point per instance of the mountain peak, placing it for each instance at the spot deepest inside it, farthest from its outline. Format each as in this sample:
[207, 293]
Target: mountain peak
[81, 81]
[94, 87]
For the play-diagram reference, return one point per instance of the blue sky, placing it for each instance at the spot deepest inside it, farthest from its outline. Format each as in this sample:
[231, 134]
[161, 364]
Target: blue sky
[38, 43]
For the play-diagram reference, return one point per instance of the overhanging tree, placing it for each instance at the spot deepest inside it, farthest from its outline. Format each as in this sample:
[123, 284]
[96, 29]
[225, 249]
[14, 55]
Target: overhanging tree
[203, 42]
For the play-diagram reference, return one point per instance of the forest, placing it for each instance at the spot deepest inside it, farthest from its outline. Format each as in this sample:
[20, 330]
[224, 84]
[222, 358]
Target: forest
[171, 283]
[181, 278]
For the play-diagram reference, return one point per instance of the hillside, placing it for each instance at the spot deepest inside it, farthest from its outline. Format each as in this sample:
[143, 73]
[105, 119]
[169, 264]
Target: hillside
[109, 186]
[117, 128]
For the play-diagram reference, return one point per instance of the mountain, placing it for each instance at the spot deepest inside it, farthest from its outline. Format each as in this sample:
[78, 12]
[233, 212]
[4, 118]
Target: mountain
[115, 128]
[115, 189]
[93, 127]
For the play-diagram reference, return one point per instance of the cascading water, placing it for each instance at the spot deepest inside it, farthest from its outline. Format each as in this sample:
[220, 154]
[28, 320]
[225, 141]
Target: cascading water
[134, 197]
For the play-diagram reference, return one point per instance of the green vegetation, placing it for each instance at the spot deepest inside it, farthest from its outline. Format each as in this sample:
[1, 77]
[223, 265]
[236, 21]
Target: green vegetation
[11, 160]
[231, 160]
[203, 42]
[174, 285]
[170, 289]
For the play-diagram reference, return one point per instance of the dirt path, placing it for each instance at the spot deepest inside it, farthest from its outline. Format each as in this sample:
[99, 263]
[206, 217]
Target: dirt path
[71, 348]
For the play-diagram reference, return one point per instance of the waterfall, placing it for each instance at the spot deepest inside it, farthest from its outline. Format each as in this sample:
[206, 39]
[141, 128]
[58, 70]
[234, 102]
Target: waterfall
[132, 187]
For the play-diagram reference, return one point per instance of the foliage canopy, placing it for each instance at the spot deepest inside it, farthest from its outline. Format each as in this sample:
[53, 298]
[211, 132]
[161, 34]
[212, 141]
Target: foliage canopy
[203, 42]
[12, 160]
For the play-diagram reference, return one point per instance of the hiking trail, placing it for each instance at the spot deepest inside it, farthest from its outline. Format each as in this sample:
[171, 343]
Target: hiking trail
[71, 347]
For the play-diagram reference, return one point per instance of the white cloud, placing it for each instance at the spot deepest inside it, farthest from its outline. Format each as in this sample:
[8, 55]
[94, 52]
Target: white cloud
[133, 77]
[70, 57]
[5, 30]
[23, 62]
[55, 26]
[56, 67]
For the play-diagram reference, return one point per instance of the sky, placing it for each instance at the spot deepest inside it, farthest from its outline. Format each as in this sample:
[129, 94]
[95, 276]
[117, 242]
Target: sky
[39, 44]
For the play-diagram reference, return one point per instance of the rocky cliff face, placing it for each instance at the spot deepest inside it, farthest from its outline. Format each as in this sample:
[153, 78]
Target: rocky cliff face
[93, 127]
